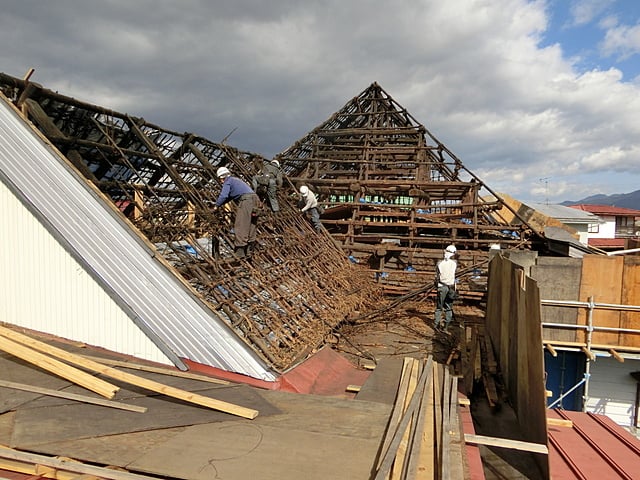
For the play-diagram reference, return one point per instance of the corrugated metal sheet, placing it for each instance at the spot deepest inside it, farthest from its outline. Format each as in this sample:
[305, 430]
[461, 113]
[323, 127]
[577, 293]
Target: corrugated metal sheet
[171, 315]
[44, 287]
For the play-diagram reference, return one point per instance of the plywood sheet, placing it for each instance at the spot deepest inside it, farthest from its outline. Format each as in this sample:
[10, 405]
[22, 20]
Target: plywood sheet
[75, 421]
[382, 384]
[241, 450]
[16, 370]
[601, 280]
[559, 280]
[631, 296]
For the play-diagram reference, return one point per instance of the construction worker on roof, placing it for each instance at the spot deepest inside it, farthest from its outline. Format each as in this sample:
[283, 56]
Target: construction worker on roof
[446, 283]
[309, 204]
[246, 200]
[267, 183]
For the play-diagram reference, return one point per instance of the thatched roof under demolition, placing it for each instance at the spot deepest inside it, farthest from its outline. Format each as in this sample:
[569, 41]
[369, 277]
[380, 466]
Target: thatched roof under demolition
[395, 196]
[282, 303]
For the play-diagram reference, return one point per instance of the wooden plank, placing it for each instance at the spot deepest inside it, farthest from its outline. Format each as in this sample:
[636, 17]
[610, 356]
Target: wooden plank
[505, 443]
[558, 279]
[421, 457]
[446, 426]
[131, 379]
[534, 418]
[438, 375]
[601, 280]
[163, 371]
[398, 406]
[389, 455]
[58, 368]
[630, 296]
[458, 465]
[558, 422]
[399, 462]
[72, 396]
[68, 466]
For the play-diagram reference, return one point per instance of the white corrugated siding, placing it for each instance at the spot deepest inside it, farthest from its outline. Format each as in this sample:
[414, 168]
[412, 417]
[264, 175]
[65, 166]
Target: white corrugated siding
[44, 288]
[99, 239]
[612, 391]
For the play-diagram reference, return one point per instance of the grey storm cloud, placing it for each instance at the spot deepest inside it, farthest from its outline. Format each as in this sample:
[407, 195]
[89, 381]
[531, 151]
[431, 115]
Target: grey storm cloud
[473, 72]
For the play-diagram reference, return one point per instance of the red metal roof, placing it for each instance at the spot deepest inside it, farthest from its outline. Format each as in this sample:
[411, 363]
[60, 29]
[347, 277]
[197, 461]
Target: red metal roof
[607, 210]
[617, 243]
[594, 448]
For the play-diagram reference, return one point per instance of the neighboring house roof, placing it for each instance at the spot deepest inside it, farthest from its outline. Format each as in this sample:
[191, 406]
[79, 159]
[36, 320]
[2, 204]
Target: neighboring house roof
[567, 214]
[607, 242]
[607, 210]
[164, 309]
[593, 447]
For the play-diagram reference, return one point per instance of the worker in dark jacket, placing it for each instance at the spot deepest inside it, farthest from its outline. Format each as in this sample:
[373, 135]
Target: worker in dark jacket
[267, 183]
[234, 189]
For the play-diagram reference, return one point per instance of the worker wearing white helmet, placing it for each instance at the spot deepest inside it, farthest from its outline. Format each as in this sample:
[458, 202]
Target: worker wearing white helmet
[446, 283]
[234, 189]
[267, 182]
[309, 204]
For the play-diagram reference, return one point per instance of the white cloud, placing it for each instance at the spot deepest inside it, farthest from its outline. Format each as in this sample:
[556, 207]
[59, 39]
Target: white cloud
[586, 11]
[622, 41]
[472, 71]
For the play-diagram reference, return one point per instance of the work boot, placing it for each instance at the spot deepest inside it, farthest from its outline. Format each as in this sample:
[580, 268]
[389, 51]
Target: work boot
[250, 248]
[239, 252]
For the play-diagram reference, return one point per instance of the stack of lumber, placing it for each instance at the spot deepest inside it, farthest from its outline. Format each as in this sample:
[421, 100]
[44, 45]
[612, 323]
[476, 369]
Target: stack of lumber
[52, 359]
[424, 437]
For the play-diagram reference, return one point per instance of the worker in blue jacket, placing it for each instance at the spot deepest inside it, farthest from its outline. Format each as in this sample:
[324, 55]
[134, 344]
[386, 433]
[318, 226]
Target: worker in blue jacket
[246, 200]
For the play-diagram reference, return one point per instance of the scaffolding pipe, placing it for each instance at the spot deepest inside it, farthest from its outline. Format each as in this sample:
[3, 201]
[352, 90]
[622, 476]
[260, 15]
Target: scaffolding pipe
[602, 306]
[584, 327]
[622, 252]
[568, 392]
[587, 368]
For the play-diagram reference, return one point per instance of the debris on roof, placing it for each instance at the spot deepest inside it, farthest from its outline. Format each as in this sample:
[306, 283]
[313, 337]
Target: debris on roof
[395, 196]
[282, 300]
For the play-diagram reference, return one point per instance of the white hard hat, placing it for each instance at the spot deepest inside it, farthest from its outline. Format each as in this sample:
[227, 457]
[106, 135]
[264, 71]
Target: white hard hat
[450, 249]
[276, 162]
[304, 190]
[223, 172]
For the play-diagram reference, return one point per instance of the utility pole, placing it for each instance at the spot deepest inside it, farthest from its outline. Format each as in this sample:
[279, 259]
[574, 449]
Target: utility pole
[546, 189]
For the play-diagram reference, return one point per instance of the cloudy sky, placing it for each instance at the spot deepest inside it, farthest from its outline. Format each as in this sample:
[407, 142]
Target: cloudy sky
[540, 99]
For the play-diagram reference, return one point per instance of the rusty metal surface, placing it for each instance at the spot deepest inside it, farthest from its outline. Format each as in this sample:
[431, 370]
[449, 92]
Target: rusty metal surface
[294, 289]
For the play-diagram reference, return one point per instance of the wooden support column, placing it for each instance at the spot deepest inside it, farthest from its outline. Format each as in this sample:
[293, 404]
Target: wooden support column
[616, 355]
[552, 350]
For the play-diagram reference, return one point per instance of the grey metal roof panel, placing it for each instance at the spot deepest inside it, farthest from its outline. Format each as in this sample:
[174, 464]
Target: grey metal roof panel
[566, 214]
[171, 315]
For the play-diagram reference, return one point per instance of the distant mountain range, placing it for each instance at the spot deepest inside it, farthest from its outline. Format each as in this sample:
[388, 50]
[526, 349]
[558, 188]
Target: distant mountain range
[625, 200]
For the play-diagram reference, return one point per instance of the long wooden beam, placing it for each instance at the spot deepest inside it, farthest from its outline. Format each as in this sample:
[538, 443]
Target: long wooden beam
[129, 378]
[71, 396]
[33, 464]
[58, 368]
[505, 443]
[163, 371]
